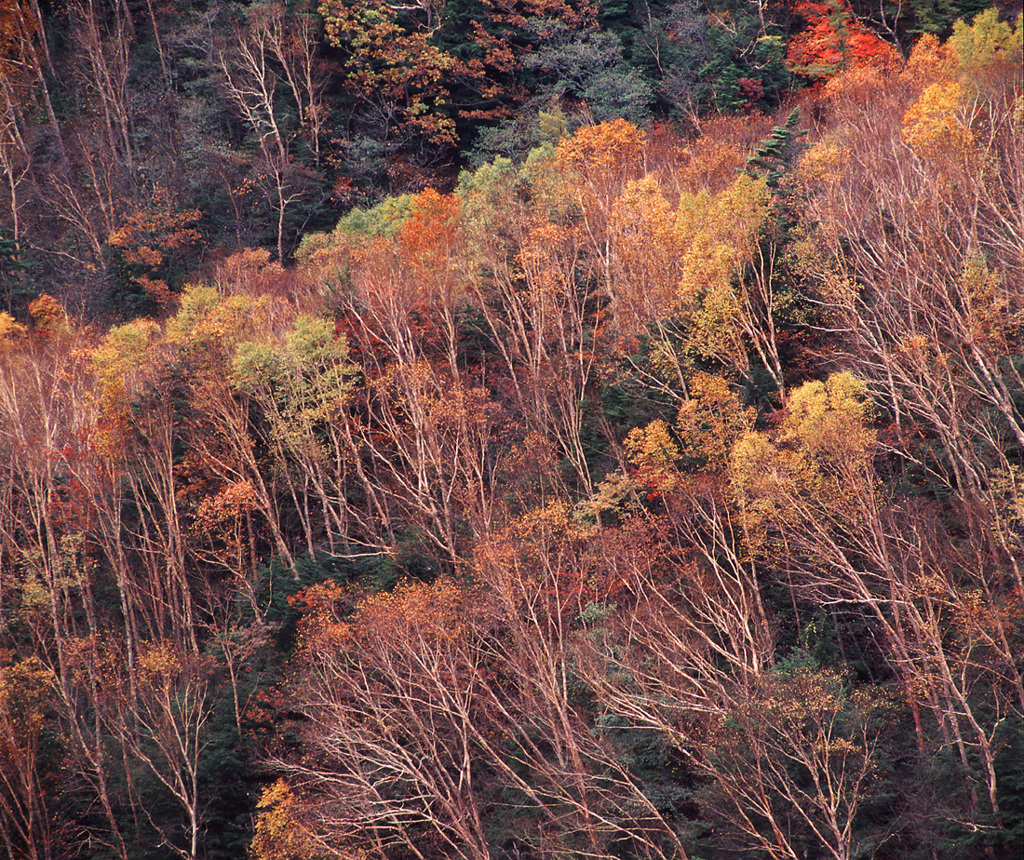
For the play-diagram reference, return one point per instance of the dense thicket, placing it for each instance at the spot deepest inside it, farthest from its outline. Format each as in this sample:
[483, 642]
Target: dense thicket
[637, 494]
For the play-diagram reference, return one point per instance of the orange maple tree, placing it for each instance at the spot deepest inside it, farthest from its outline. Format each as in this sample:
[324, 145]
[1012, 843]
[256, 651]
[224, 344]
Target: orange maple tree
[833, 40]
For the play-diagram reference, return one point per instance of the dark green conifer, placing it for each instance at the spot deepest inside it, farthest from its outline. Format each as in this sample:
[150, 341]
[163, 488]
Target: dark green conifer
[775, 153]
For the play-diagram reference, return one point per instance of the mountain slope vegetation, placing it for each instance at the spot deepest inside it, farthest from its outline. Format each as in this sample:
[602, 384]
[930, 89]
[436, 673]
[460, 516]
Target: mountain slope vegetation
[511, 430]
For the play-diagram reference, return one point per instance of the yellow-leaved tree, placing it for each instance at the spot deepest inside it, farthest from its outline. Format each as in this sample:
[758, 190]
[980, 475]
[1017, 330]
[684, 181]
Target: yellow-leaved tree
[812, 504]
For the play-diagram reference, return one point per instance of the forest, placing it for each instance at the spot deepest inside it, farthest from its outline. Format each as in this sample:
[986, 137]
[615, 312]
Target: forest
[511, 430]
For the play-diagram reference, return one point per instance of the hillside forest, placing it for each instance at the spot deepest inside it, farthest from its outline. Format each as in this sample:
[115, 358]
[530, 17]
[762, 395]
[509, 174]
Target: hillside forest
[511, 430]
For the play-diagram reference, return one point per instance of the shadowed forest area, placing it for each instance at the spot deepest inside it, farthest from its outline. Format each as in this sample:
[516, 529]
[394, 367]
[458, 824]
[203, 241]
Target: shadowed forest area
[511, 430]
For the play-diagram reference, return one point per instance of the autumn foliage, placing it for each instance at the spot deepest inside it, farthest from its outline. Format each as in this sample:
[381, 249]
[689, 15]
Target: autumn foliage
[646, 495]
[834, 40]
